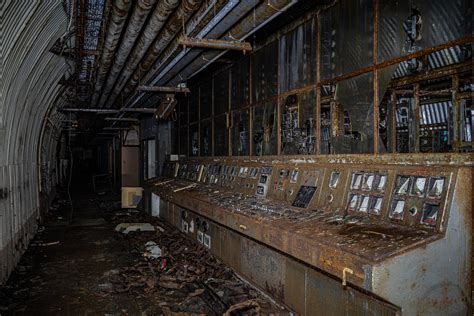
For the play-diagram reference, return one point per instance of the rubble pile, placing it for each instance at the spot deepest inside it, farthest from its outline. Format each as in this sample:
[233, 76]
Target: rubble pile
[185, 278]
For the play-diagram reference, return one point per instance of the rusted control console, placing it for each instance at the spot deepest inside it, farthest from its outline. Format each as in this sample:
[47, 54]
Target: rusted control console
[397, 227]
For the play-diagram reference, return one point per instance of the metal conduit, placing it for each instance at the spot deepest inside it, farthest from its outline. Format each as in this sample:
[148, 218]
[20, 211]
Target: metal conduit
[254, 20]
[183, 13]
[158, 18]
[204, 20]
[114, 30]
[137, 20]
[262, 15]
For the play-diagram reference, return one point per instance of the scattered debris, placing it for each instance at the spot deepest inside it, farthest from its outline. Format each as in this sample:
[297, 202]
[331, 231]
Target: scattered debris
[184, 278]
[152, 250]
[126, 228]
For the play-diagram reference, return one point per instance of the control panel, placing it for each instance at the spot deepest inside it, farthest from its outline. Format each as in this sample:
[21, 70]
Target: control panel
[385, 195]
[336, 214]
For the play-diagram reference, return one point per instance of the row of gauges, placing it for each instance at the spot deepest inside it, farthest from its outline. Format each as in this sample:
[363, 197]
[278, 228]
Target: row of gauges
[431, 187]
[429, 214]
[408, 188]
[365, 203]
[368, 182]
[362, 183]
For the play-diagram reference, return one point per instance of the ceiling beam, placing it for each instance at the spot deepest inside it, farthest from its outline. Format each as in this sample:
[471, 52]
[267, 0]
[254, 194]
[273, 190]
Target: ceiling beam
[214, 44]
[163, 89]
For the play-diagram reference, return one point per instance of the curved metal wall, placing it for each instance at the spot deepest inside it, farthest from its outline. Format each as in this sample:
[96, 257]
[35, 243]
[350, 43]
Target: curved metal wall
[28, 88]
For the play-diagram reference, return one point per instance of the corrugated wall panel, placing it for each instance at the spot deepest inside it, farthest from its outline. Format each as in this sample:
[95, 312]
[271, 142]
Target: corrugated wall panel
[29, 86]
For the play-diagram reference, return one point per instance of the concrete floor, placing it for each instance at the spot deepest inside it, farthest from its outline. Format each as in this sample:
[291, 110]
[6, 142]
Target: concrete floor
[68, 267]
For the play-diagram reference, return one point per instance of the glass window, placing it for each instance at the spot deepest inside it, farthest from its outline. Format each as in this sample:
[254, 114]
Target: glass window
[264, 138]
[240, 133]
[206, 138]
[298, 131]
[221, 136]
[265, 72]
[240, 83]
[354, 106]
[221, 92]
[194, 140]
[298, 57]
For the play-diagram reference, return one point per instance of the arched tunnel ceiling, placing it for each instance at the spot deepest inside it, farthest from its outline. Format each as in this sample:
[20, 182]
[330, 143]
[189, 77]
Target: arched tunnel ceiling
[53, 55]
[137, 44]
[29, 74]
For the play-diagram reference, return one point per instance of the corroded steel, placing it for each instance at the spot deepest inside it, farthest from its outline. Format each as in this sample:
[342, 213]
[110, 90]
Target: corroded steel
[158, 18]
[163, 89]
[172, 27]
[114, 30]
[214, 44]
[134, 26]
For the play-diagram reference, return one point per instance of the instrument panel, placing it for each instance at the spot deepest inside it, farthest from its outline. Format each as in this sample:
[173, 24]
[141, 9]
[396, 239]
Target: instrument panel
[401, 197]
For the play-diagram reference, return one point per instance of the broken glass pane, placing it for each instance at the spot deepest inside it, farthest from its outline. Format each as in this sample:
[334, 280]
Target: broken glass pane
[402, 185]
[298, 131]
[376, 205]
[436, 187]
[335, 175]
[206, 138]
[397, 209]
[346, 38]
[430, 214]
[194, 140]
[355, 98]
[240, 133]
[221, 139]
[298, 56]
[183, 140]
[264, 138]
[240, 83]
[419, 185]
[221, 92]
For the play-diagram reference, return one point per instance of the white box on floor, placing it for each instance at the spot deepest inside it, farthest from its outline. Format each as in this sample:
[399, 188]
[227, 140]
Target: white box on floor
[131, 196]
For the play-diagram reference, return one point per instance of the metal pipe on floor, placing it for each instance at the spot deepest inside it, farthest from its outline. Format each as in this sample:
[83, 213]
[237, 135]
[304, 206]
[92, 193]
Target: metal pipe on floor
[137, 20]
[114, 30]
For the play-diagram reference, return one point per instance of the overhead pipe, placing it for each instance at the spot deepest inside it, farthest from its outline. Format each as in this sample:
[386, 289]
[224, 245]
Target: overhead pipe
[199, 26]
[209, 43]
[137, 20]
[263, 14]
[114, 30]
[174, 56]
[157, 20]
[182, 14]
[163, 89]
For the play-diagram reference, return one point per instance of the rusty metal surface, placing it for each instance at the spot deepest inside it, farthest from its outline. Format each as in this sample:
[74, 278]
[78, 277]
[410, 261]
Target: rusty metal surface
[322, 236]
[135, 23]
[214, 44]
[163, 89]
[172, 27]
[29, 126]
[300, 287]
[114, 30]
[157, 20]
